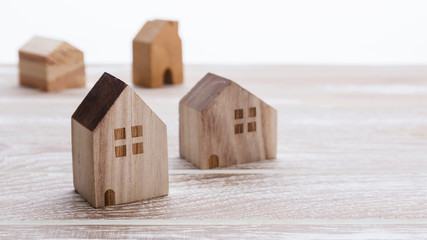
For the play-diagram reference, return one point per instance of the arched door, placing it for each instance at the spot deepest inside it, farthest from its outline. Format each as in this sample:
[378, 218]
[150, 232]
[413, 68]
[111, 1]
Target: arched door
[110, 197]
[167, 77]
[213, 161]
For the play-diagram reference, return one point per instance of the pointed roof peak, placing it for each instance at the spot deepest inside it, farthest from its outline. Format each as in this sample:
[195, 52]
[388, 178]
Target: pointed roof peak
[98, 101]
[205, 91]
[152, 28]
[41, 46]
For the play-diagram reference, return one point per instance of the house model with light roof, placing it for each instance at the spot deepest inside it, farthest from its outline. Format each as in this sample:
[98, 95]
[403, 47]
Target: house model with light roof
[157, 55]
[51, 65]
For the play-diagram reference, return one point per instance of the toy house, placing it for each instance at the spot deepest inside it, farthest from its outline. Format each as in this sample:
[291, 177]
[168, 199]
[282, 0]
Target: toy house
[221, 124]
[51, 65]
[119, 146]
[157, 55]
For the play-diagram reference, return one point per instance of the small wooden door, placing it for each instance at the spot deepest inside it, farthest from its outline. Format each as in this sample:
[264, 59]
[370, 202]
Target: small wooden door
[167, 77]
[213, 161]
[110, 197]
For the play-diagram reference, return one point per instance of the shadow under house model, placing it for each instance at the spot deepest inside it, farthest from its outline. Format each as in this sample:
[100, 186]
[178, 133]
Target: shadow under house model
[51, 65]
[157, 54]
[221, 124]
[119, 146]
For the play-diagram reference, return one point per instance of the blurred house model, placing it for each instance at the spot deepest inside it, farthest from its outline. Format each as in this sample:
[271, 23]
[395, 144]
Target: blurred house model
[157, 55]
[51, 65]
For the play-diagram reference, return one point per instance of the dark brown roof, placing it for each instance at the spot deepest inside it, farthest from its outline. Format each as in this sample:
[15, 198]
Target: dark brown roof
[205, 91]
[98, 101]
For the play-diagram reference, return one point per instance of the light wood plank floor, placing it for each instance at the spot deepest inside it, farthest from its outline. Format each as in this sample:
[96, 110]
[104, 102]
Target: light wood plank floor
[352, 161]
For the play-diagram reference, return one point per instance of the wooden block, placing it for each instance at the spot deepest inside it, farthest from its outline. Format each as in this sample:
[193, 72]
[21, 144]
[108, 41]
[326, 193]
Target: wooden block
[119, 146]
[157, 54]
[51, 65]
[221, 124]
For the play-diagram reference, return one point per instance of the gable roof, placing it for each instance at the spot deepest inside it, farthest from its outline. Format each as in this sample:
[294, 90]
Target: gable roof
[98, 101]
[41, 46]
[206, 90]
[151, 29]
[50, 50]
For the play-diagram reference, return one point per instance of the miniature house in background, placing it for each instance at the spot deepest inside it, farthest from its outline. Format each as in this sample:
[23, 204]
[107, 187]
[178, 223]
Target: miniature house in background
[157, 55]
[51, 65]
[119, 146]
[221, 124]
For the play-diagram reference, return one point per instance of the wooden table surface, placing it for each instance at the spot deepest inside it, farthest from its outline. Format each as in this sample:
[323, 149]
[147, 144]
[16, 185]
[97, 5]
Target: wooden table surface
[351, 164]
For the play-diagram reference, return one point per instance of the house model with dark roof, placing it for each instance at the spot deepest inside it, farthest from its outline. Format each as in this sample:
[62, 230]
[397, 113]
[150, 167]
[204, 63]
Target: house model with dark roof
[51, 65]
[157, 55]
[119, 146]
[221, 124]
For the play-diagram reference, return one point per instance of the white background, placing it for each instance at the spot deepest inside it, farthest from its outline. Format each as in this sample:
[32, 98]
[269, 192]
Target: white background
[231, 31]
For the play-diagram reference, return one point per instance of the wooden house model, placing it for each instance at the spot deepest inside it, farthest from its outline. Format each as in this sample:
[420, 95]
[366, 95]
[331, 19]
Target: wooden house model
[157, 55]
[51, 65]
[221, 124]
[119, 146]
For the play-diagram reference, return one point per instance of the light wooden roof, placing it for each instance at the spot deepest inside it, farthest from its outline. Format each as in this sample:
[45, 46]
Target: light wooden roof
[151, 29]
[50, 51]
[41, 46]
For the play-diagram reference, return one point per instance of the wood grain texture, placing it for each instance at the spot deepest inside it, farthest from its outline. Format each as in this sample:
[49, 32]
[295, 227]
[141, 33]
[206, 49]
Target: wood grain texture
[228, 197]
[216, 128]
[110, 165]
[99, 100]
[51, 65]
[157, 54]
[350, 161]
[218, 231]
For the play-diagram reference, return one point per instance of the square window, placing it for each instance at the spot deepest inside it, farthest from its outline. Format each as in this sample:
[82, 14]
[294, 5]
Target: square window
[252, 127]
[252, 112]
[238, 114]
[137, 148]
[137, 131]
[119, 133]
[120, 151]
[238, 128]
